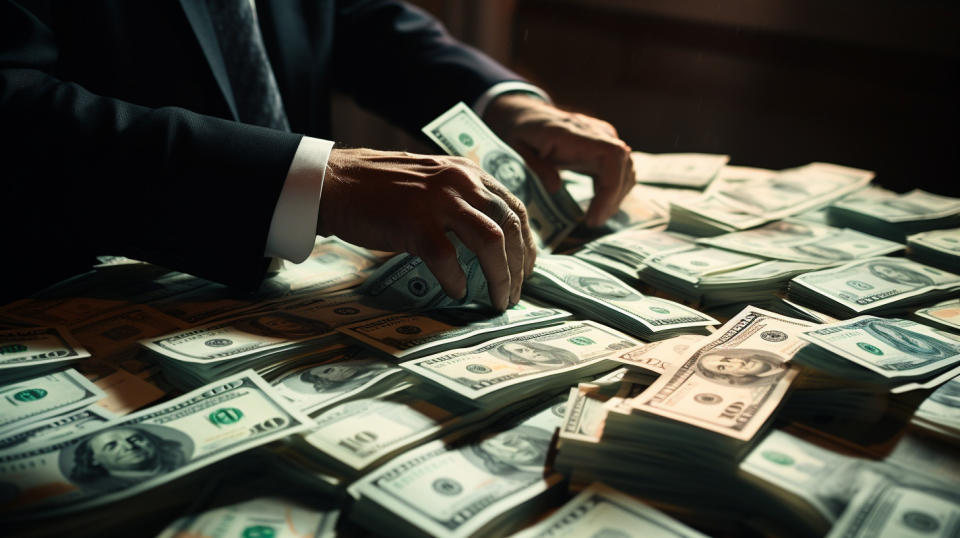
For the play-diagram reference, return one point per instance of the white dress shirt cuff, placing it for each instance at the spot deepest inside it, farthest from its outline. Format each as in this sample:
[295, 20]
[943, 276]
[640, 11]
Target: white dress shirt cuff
[513, 86]
[293, 229]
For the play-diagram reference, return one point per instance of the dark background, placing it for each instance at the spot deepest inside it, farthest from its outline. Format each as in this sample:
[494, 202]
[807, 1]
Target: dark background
[772, 83]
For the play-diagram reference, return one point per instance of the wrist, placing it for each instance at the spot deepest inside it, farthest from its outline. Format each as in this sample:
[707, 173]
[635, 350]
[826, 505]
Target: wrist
[508, 110]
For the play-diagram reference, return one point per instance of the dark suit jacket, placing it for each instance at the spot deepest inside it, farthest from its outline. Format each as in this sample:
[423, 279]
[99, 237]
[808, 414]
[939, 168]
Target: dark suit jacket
[119, 131]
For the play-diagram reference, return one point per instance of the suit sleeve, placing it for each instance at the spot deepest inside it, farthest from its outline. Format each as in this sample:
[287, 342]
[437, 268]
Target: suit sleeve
[401, 63]
[91, 174]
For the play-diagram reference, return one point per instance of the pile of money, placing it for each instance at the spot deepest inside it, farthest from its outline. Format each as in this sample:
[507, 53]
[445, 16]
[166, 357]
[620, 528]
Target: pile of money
[940, 412]
[624, 253]
[940, 248]
[897, 353]
[30, 351]
[887, 214]
[595, 294]
[690, 170]
[881, 286]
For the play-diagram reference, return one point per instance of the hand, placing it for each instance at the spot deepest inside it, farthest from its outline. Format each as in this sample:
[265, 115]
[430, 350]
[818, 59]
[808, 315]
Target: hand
[398, 201]
[548, 137]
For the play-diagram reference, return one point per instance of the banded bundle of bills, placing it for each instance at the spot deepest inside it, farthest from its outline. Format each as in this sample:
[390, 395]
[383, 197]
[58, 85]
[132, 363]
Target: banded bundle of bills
[407, 335]
[940, 412]
[881, 286]
[895, 216]
[595, 294]
[603, 511]
[624, 253]
[798, 241]
[460, 132]
[940, 248]
[30, 351]
[945, 314]
[510, 368]
[741, 198]
[691, 170]
[480, 486]
[897, 353]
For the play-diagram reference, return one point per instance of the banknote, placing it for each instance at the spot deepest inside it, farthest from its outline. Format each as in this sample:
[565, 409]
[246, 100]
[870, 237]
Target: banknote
[692, 170]
[941, 410]
[455, 490]
[316, 386]
[460, 132]
[30, 347]
[876, 283]
[261, 517]
[661, 356]
[944, 241]
[892, 207]
[888, 346]
[57, 427]
[411, 334]
[120, 330]
[889, 509]
[799, 241]
[634, 245]
[31, 400]
[334, 310]
[733, 380]
[504, 362]
[601, 511]
[587, 407]
[946, 313]
[333, 265]
[694, 264]
[149, 448]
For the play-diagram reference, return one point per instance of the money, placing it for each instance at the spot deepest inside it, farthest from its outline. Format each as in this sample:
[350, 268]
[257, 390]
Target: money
[266, 517]
[333, 265]
[57, 427]
[595, 294]
[893, 349]
[633, 246]
[587, 406]
[31, 400]
[460, 132]
[603, 511]
[149, 448]
[889, 509]
[940, 412]
[798, 241]
[507, 368]
[691, 170]
[640, 207]
[482, 486]
[316, 386]
[733, 380]
[31, 350]
[119, 331]
[937, 247]
[895, 216]
[661, 356]
[879, 286]
[408, 335]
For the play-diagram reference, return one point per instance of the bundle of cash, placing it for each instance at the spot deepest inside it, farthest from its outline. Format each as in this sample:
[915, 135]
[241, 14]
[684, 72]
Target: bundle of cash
[144, 450]
[940, 412]
[798, 241]
[510, 368]
[945, 314]
[624, 253]
[30, 351]
[881, 286]
[741, 198]
[595, 294]
[408, 335]
[643, 207]
[480, 486]
[937, 247]
[895, 216]
[333, 265]
[603, 511]
[460, 132]
[275, 517]
[897, 353]
[691, 170]
[28, 401]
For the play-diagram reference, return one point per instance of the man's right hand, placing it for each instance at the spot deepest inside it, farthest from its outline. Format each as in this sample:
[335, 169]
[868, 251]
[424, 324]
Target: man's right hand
[399, 201]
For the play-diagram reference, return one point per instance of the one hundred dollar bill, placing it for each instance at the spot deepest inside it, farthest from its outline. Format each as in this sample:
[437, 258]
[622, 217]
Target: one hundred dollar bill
[57, 427]
[33, 346]
[943, 241]
[661, 356]
[262, 517]
[30, 400]
[946, 313]
[692, 170]
[460, 132]
[892, 207]
[733, 380]
[603, 511]
[316, 386]
[890, 509]
[149, 448]
[496, 365]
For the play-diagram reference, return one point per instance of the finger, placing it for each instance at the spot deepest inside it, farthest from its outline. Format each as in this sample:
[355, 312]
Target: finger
[528, 243]
[486, 239]
[439, 254]
[611, 160]
[543, 168]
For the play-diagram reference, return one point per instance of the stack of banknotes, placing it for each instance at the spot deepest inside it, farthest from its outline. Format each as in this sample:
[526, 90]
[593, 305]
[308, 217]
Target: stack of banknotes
[940, 248]
[895, 216]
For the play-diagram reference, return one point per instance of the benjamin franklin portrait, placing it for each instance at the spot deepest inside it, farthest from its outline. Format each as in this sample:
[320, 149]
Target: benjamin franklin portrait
[535, 354]
[119, 457]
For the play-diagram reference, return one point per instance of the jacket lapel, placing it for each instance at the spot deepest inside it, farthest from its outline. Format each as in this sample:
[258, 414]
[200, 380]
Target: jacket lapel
[199, 18]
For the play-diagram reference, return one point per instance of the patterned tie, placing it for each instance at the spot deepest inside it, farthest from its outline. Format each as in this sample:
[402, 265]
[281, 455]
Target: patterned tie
[251, 77]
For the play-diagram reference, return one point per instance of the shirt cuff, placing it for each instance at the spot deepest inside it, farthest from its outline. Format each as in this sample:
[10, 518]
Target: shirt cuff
[513, 86]
[293, 229]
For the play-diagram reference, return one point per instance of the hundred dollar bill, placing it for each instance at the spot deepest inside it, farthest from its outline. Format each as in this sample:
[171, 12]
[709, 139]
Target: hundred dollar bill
[589, 291]
[460, 132]
[238, 337]
[149, 448]
[262, 517]
[316, 386]
[363, 431]
[889, 509]
[692, 265]
[601, 511]
[30, 400]
[944, 241]
[587, 406]
[799, 241]
[940, 412]
[458, 490]
[890, 347]
[634, 246]
[31, 347]
[410, 334]
[733, 380]
[874, 285]
[116, 331]
[332, 265]
[946, 313]
[573, 347]
[692, 170]
[661, 356]
[892, 207]
[58, 427]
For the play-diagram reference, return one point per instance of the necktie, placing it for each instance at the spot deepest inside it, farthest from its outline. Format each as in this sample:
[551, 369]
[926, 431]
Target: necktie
[251, 77]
